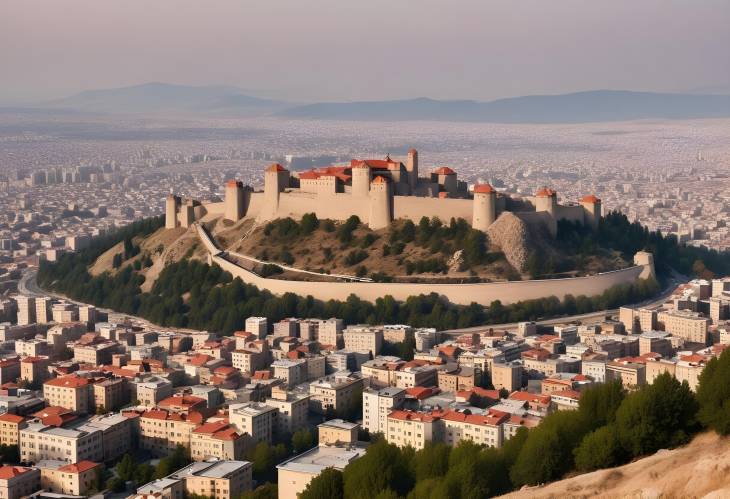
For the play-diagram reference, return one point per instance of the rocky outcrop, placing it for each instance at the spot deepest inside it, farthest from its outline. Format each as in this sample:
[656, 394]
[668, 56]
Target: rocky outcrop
[518, 238]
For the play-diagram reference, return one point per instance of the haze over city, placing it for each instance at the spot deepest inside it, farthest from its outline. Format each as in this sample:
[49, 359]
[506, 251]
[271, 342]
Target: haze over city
[357, 250]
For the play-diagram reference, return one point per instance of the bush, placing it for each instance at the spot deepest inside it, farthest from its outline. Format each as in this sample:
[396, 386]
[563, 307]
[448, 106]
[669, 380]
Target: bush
[599, 449]
[355, 256]
[713, 394]
[270, 269]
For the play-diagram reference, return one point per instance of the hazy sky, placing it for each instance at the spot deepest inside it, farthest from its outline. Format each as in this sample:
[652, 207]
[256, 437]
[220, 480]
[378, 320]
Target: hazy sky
[364, 49]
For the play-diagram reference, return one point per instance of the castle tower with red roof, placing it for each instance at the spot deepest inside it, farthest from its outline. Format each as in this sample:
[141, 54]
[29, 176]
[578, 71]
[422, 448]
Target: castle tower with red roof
[276, 179]
[381, 197]
[592, 210]
[234, 201]
[484, 207]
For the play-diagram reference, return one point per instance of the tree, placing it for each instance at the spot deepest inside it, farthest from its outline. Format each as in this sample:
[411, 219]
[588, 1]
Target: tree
[599, 449]
[657, 416]
[713, 394]
[327, 485]
[302, 440]
[170, 464]
[266, 491]
[599, 403]
[431, 462]
[9, 453]
[382, 467]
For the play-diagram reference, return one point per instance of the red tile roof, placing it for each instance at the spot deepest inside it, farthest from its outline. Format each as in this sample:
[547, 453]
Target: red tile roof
[444, 170]
[8, 472]
[11, 418]
[79, 467]
[545, 193]
[483, 189]
[591, 198]
[68, 382]
[412, 416]
[379, 179]
[234, 183]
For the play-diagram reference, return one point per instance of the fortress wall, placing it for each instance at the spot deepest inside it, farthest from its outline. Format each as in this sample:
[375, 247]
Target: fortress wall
[339, 206]
[413, 208]
[573, 213]
[462, 294]
[216, 208]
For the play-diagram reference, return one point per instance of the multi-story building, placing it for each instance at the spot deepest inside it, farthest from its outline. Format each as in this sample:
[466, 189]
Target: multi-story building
[151, 390]
[685, 324]
[72, 392]
[655, 341]
[689, 368]
[34, 369]
[293, 372]
[484, 429]
[329, 332]
[10, 426]
[337, 432]
[507, 376]
[409, 428]
[34, 347]
[377, 404]
[253, 418]
[631, 374]
[258, 326]
[337, 393]
[9, 370]
[363, 339]
[216, 440]
[117, 433]
[218, 480]
[18, 481]
[65, 312]
[43, 306]
[458, 378]
[292, 409]
[111, 394]
[39, 441]
[296, 473]
[26, 310]
[96, 354]
[162, 431]
[248, 360]
[70, 479]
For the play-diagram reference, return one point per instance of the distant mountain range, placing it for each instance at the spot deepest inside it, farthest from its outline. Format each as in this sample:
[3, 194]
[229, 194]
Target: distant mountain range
[580, 107]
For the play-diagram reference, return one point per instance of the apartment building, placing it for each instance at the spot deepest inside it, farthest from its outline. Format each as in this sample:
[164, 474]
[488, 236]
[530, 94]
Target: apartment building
[363, 339]
[72, 392]
[97, 353]
[151, 390]
[248, 360]
[631, 374]
[117, 433]
[34, 347]
[337, 432]
[458, 378]
[484, 429]
[26, 310]
[162, 431]
[217, 440]
[217, 480]
[111, 394]
[293, 372]
[689, 368]
[507, 376]
[337, 393]
[258, 326]
[685, 324]
[655, 341]
[10, 426]
[70, 479]
[34, 369]
[18, 481]
[39, 441]
[292, 409]
[377, 404]
[657, 367]
[9, 370]
[409, 428]
[329, 332]
[253, 418]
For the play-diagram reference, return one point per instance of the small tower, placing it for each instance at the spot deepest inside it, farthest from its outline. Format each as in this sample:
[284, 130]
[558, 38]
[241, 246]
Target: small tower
[172, 203]
[546, 200]
[412, 169]
[360, 178]
[484, 207]
[445, 177]
[380, 203]
[234, 208]
[591, 211]
[276, 179]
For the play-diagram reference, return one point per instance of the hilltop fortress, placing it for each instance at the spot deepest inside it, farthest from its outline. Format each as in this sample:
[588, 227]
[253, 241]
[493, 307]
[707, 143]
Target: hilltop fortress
[379, 191]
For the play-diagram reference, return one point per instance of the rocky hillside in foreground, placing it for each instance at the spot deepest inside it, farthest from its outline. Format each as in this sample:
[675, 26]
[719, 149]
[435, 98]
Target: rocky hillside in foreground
[698, 470]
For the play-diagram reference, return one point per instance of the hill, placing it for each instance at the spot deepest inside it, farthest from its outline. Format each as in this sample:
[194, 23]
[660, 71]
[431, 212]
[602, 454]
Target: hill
[699, 469]
[167, 98]
[580, 107]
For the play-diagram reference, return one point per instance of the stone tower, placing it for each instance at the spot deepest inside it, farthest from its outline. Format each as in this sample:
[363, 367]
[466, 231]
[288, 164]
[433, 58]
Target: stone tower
[234, 206]
[360, 179]
[172, 203]
[412, 168]
[380, 204]
[591, 211]
[546, 200]
[276, 179]
[484, 210]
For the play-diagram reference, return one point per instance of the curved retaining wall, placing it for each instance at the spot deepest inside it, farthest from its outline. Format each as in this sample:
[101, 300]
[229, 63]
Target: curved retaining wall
[461, 294]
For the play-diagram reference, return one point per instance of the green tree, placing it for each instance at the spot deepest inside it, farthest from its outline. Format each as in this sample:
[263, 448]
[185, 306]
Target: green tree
[713, 394]
[431, 462]
[599, 403]
[302, 440]
[599, 449]
[327, 485]
[657, 416]
[382, 467]
[266, 491]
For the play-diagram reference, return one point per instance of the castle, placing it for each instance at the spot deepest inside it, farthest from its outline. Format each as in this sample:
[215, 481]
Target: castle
[379, 191]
